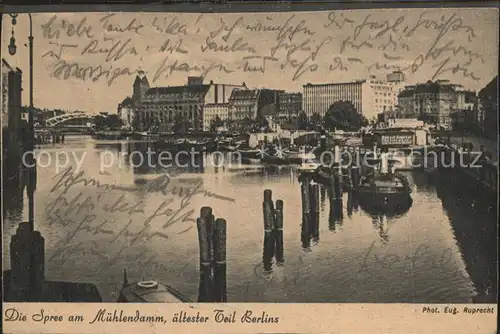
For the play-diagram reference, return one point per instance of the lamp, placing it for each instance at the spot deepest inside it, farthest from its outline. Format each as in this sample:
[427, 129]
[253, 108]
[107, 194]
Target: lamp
[12, 45]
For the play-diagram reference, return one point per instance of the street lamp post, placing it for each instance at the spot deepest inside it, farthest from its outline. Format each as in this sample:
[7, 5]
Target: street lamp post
[31, 135]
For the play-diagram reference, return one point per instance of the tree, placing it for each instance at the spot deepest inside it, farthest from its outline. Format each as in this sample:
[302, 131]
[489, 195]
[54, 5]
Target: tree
[216, 123]
[113, 121]
[316, 118]
[302, 121]
[343, 115]
[100, 122]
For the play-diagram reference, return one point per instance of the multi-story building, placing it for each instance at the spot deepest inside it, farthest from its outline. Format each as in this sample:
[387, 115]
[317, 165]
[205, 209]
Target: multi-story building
[435, 101]
[290, 105]
[369, 97]
[126, 111]
[14, 104]
[212, 111]
[6, 69]
[243, 103]
[165, 105]
[488, 106]
[248, 103]
[397, 80]
[14, 131]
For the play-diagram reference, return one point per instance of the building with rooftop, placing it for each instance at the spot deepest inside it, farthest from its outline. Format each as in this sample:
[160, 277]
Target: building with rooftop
[369, 96]
[249, 103]
[435, 101]
[163, 106]
[488, 106]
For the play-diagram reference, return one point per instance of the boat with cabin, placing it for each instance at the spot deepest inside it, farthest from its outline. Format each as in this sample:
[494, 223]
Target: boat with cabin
[381, 189]
[149, 292]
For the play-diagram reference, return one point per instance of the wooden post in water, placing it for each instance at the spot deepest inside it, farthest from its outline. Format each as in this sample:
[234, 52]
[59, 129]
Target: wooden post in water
[335, 190]
[219, 263]
[306, 209]
[350, 202]
[278, 231]
[355, 176]
[210, 234]
[205, 285]
[268, 211]
[322, 194]
[314, 223]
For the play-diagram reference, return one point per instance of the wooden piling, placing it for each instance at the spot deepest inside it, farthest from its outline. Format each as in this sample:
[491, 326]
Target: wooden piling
[219, 264]
[278, 231]
[306, 210]
[355, 175]
[349, 203]
[314, 223]
[322, 194]
[205, 285]
[335, 185]
[210, 233]
[335, 192]
[268, 211]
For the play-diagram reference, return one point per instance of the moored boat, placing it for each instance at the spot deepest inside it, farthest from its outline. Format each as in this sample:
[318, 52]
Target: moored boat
[382, 190]
[149, 292]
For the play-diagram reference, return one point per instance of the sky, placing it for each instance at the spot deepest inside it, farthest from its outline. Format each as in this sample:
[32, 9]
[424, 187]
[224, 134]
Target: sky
[305, 47]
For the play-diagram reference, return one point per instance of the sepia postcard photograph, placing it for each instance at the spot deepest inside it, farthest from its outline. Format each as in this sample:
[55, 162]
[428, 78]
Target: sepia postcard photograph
[344, 156]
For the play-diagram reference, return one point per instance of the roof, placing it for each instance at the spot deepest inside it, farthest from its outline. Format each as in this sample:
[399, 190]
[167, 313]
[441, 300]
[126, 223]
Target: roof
[4, 62]
[407, 92]
[433, 87]
[157, 293]
[193, 89]
[427, 88]
[243, 94]
[335, 83]
[491, 88]
[127, 102]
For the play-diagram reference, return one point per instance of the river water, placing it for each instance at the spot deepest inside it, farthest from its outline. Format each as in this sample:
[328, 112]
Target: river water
[442, 250]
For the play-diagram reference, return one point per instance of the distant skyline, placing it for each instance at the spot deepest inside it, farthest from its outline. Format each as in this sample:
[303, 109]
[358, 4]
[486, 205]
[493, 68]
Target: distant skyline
[347, 49]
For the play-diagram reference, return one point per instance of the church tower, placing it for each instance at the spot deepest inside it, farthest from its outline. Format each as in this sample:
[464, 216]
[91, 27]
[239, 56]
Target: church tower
[141, 86]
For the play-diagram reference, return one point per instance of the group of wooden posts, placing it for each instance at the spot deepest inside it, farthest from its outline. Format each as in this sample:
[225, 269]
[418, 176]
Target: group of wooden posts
[212, 231]
[273, 230]
[311, 203]
[212, 242]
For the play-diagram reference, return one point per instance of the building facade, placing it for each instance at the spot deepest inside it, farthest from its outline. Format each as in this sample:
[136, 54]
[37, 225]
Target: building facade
[249, 103]
[435, 102]
[290, 105]
[162, 106]
[126, 111]
[14, 104]
[370, 97]
[243, 103]
[6, 69]
[488, 106]
[212, 111]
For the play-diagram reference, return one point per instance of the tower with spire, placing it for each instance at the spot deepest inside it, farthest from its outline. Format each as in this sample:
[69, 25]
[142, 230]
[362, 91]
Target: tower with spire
[141, 86]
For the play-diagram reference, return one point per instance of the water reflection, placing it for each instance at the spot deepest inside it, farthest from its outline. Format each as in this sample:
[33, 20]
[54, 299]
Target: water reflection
[352, 203]
[475, 229]
[13, 201]
[336, 215]
[447, 217]
[380, 224]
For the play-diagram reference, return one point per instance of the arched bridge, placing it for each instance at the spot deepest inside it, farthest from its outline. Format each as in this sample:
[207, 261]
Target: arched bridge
[77, 119]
